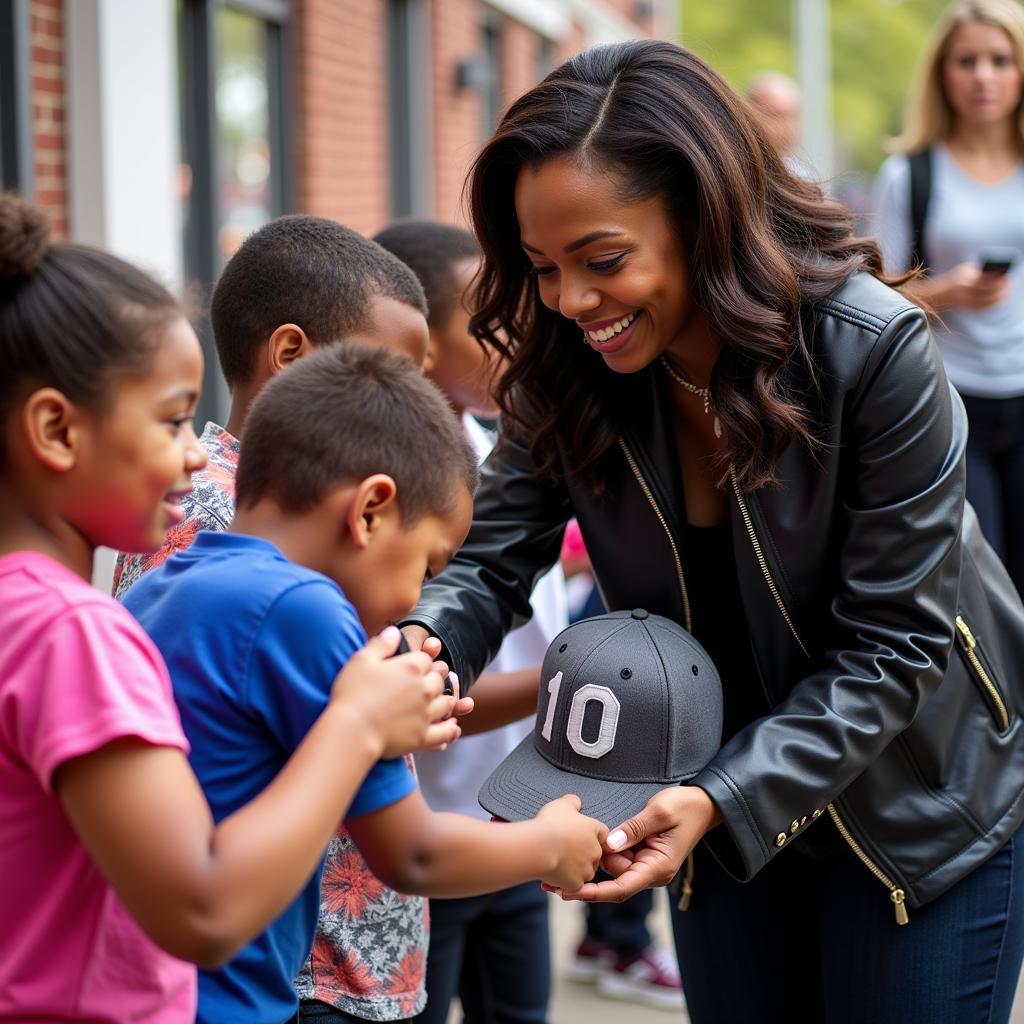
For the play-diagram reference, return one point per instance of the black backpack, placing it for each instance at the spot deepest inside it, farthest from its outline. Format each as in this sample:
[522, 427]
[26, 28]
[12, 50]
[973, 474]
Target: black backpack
[920, 188]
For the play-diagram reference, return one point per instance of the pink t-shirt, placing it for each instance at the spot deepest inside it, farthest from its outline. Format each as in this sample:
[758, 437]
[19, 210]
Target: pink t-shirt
[76, 672]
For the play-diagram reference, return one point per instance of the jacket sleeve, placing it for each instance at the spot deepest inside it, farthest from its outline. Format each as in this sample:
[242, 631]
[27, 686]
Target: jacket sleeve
[484, 593]
[890, 629]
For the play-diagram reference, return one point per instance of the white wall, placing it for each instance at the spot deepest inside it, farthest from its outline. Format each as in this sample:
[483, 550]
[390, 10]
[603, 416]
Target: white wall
[123, 139]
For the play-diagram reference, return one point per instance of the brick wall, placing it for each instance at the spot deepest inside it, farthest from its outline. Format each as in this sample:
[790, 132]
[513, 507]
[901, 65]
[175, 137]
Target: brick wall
[48, 121]
[458, 113]
[520, 51]
[340, 114]
[341, 120]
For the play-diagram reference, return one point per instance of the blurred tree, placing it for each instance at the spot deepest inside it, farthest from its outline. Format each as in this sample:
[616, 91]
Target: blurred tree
[875, 46]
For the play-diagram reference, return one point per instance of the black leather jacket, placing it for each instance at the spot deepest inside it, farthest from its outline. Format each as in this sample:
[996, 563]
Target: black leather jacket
[888, 638]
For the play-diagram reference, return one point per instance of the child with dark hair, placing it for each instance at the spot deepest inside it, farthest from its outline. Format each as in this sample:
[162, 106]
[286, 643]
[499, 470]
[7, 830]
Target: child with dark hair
[445, 258]
[111, 866]
[354, 486]
[296, 284]
[493, 952]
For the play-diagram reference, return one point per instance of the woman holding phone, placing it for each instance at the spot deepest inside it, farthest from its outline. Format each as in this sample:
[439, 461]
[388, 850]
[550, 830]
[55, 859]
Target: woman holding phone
[952, 198]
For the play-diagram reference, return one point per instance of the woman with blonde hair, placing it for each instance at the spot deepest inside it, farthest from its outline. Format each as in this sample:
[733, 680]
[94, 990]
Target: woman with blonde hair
[952, 199]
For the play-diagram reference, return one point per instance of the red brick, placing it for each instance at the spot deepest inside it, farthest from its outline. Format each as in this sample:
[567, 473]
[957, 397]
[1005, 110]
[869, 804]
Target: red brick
[47, 74]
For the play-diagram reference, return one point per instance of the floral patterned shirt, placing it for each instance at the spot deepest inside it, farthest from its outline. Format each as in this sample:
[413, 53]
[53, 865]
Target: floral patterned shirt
[369, 956]
[210, 506]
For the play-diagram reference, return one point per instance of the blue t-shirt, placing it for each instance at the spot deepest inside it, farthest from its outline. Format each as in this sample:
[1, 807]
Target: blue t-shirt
[253, 643]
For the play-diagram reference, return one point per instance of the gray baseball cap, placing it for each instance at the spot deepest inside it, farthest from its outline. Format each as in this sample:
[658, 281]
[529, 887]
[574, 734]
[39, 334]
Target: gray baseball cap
[629, 703]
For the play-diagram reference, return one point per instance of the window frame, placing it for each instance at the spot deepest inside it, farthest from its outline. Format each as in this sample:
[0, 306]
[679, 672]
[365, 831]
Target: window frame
[16, 144]
[197, 32]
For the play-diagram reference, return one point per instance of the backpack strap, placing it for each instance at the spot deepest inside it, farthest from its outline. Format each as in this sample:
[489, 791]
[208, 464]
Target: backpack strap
[920, 189]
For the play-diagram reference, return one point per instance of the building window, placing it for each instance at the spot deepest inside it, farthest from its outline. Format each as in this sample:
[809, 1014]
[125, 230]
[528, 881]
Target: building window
[15, 98]
[235, 160]
[409, 108]
[545, 57]
[493, 77]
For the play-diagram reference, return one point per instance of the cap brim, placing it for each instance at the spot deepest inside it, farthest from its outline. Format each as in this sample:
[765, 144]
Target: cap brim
[524, 782]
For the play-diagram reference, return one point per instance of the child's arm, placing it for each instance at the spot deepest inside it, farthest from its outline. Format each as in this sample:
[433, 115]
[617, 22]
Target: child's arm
[415, 850]
[501, 698]
[202, 890]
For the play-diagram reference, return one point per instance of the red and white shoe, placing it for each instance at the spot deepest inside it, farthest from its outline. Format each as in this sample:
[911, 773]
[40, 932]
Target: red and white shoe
[650, 977]
[589, 961]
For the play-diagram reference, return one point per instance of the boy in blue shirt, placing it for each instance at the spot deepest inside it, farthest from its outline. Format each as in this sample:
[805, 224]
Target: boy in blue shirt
[354, 485]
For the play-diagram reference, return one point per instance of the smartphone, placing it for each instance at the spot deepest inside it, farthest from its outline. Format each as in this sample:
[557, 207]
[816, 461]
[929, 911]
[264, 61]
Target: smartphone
[996, 265]
[449, 686]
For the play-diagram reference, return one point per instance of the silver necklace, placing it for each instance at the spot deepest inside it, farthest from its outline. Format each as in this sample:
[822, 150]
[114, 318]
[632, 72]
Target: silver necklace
[703, 393]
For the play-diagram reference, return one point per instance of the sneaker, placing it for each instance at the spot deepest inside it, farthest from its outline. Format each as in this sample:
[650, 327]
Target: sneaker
[590, 960]
[650, 977]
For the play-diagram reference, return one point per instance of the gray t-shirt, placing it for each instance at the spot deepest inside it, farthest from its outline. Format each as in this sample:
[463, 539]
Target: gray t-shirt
[983, 349]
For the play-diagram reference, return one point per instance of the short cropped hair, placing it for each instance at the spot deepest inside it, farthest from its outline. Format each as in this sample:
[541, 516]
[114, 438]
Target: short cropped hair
[343, 414]
[308, 271]
[433, 250]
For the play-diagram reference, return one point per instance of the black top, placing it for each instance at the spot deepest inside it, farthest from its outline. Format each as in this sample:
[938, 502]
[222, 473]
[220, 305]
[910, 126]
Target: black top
[720, 623]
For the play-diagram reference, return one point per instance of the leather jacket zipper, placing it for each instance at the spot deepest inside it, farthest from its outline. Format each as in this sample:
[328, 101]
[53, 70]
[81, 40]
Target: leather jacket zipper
[896, 894]
[686, 891]
[649, 495]
[761, 561]
[969, 643]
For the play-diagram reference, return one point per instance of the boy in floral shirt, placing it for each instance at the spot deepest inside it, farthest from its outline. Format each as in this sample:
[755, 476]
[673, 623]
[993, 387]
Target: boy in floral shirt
[296, 284]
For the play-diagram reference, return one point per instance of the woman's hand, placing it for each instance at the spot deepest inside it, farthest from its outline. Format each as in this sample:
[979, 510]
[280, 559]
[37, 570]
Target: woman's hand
[649, 849]
[963, 287]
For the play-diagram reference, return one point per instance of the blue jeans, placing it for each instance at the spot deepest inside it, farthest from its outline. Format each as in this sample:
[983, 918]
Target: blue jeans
[494, 953]
[995, 476]
[813, 937]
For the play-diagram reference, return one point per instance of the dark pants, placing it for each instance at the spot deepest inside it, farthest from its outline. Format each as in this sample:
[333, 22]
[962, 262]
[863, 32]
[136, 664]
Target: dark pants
[494, 953]
[815, 939]
[621, 926]
[312, 1011]
[995, 476]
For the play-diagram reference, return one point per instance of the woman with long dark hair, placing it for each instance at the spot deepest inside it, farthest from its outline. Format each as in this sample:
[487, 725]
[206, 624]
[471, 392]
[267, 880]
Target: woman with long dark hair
[757, 437]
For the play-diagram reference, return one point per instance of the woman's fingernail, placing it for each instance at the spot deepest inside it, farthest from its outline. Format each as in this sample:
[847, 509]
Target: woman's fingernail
[390, 633]
[617, 839]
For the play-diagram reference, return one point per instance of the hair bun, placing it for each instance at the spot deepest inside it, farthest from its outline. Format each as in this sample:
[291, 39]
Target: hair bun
[24, 236]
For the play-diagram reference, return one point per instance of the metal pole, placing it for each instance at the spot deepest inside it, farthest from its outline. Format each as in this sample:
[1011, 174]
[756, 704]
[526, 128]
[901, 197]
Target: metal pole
[814, 73]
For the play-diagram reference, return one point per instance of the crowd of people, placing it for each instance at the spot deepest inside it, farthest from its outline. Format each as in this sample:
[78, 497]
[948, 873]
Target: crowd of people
[234, 790]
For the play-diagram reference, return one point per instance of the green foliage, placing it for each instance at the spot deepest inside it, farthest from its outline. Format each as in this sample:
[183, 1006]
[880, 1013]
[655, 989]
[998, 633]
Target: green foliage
[875, 47]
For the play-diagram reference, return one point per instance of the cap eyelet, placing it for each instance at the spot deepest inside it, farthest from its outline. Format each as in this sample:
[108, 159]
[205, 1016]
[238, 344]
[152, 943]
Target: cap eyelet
[563, 648]
[626, 673]
[695, 670]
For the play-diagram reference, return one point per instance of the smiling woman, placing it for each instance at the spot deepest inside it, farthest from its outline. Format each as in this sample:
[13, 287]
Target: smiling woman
[691, 223]
[757, 437]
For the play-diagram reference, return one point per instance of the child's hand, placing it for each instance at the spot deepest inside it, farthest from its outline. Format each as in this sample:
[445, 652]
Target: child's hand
[401, 698]
[576, 840]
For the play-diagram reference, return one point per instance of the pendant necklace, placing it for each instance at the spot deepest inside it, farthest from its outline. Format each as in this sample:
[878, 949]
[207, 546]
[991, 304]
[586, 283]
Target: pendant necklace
[703, 393]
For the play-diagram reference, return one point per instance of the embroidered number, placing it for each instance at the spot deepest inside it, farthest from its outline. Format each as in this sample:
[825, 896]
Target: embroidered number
[549, 718]
[609, 719]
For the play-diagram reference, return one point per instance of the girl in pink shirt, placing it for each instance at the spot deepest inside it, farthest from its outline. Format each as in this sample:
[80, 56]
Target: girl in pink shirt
[112, 872]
